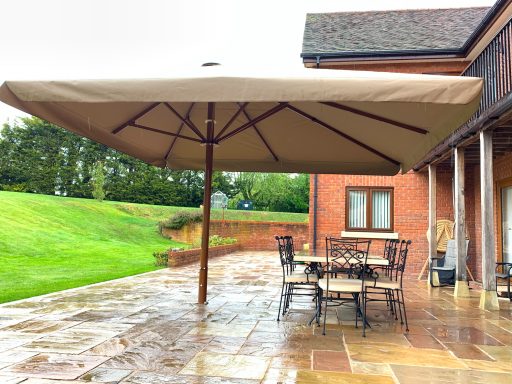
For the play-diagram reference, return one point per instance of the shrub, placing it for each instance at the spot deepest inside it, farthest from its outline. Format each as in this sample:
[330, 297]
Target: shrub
[215, 240]
[161, 258]
[180, 219]
[219, 240]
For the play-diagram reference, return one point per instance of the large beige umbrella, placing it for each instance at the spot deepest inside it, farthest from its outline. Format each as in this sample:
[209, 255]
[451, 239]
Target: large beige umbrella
[317, 121]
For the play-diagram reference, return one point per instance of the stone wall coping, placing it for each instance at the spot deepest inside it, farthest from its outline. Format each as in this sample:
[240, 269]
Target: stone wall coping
[262, 222]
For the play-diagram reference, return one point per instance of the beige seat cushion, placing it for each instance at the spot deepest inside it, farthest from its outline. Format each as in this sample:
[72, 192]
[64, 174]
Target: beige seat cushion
[301, 277]
[383, 283]
[341, 285]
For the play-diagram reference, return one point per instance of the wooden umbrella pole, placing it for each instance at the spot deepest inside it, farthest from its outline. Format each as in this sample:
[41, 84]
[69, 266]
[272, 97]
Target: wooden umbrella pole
[203, 271]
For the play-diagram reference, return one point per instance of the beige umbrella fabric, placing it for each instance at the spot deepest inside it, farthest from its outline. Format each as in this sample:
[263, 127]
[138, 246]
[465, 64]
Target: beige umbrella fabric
[96, 108]
[309, 120]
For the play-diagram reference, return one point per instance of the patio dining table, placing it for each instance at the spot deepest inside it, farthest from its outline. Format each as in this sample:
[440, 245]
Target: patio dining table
[371, 260]
[314, 265]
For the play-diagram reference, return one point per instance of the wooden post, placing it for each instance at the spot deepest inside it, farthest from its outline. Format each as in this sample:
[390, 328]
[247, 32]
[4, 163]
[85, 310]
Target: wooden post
[489, 297]
[461, 284]
[205, 236]
[432, 222]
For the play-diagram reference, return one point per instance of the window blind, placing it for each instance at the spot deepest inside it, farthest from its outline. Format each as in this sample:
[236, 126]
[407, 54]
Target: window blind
[357, 209]
[381, 209]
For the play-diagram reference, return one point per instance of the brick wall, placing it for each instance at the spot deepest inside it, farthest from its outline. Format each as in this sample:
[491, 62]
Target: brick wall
[410, 209]
[190, 256]
[251, 235]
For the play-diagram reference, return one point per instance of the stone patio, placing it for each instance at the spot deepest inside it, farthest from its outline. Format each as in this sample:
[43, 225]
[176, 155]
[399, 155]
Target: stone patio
[148, 329]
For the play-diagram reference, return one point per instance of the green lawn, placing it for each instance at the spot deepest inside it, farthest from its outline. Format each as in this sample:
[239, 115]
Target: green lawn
[50, 243]
[159, 212]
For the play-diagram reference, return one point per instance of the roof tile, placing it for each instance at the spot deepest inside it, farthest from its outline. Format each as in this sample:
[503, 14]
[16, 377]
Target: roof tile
[377, 31]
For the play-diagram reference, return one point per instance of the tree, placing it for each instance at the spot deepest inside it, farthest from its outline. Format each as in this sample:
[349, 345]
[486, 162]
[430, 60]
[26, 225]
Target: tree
[278, 192]
[98, 181]
[39, 157]
[247, 184]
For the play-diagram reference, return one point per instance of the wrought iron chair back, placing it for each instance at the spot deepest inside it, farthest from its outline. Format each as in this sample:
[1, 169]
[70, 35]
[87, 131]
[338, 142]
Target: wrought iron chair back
[285, 248]
[401, 260]
[387, 245]
[346, 256]
[349, 256]
[390, 248]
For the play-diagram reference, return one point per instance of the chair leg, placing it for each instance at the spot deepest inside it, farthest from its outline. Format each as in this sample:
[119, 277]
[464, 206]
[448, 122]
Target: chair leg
[357, 299]
[365, 300]
[389, 302]
[363, 295]
[405, 313]
[325, 312]
[318, 305]
[400, 307]
[280, 301]
[287, 298]
[392, 293]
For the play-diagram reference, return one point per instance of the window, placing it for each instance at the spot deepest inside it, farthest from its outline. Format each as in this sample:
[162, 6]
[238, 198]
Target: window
[369, 209]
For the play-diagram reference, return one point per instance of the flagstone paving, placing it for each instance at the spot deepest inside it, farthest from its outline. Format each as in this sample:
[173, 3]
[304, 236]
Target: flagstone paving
[147, 329]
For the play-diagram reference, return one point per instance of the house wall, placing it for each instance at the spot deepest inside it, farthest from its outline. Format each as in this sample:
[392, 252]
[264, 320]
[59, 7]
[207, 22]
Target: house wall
[411, 208]
[502, 171]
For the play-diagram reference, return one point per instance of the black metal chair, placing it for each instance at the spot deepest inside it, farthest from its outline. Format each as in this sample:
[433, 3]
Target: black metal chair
[296, 281]
[503, 275]
[344, 274]
[390, 248]
[392, 285]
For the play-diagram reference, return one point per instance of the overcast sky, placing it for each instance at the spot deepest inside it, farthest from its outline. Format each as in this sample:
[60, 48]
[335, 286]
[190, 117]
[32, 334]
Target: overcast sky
[124, 38]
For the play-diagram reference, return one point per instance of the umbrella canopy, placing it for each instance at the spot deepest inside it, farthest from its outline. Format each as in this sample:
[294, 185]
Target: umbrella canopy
[317, 121]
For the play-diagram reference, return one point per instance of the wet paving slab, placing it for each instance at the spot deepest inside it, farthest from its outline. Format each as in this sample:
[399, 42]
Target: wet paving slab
[148, 329]
[55, 366]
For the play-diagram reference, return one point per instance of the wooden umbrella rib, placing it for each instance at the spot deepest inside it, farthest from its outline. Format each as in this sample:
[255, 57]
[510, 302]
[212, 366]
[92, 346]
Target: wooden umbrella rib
[186, 121]
[375, 117]
[180, 128]
[342, 134]
[261, 136]
[257, 119]
[134, 118]
[165, 132]
[228, 124]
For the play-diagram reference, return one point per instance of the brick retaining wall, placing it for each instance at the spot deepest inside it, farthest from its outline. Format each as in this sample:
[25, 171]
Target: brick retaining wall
[178, 258]
[251, 235]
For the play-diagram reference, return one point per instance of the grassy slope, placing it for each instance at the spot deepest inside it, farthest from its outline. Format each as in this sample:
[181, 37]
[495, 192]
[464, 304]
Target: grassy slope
[159, 212]
[50, 243]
